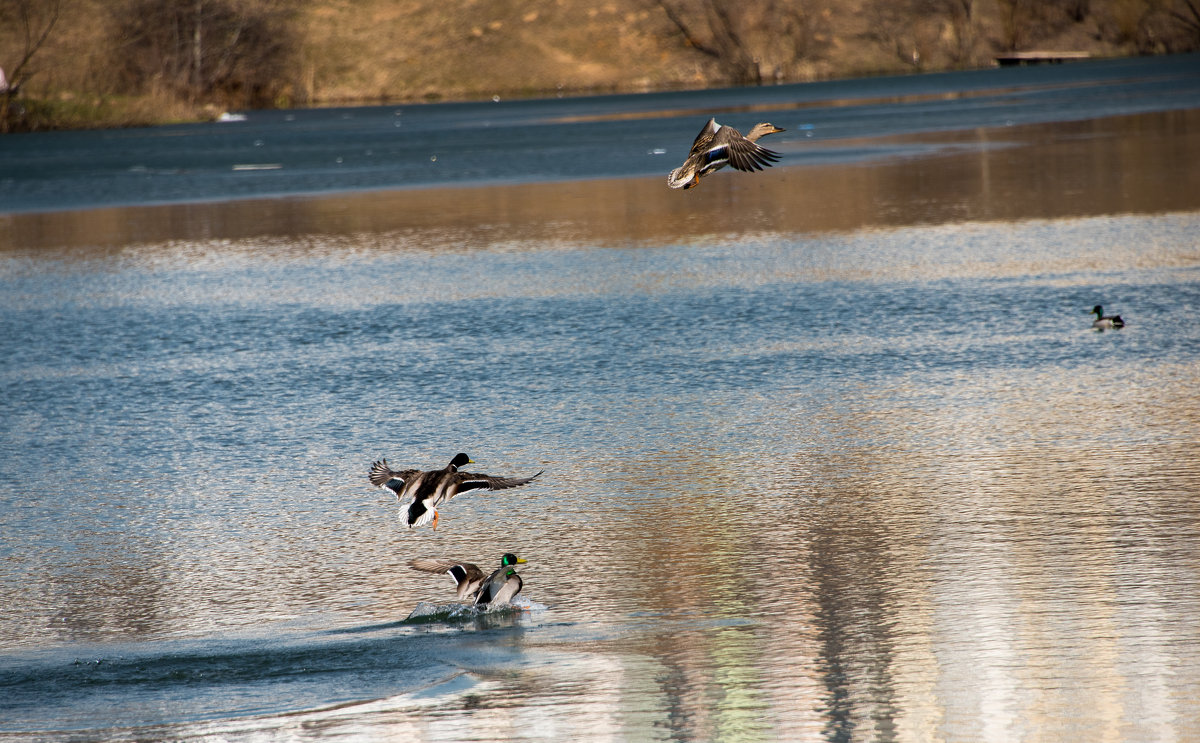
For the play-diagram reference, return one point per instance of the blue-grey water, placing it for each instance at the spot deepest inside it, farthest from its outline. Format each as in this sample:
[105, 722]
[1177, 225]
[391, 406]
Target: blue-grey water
[831, 451]
[328, 150]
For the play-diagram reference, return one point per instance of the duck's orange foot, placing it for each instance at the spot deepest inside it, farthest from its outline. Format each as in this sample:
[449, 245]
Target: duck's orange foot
[435, 518]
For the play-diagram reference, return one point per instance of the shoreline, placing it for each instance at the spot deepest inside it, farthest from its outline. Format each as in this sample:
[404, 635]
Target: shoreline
[176, 113]
[276, 155]
[922, 178]
[100, 65]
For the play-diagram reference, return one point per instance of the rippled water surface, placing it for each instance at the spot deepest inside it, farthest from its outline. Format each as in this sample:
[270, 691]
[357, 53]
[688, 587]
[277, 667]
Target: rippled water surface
[832, 453]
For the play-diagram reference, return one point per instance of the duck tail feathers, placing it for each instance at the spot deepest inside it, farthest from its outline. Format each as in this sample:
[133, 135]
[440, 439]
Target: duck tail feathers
[676, 179]
[417, 514]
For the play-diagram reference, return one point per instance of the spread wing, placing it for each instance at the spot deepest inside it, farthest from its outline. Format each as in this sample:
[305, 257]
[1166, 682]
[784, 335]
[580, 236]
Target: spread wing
[472, 481]
[705, 137]
[511, 588]
[499, 590]
[382, 476]
[741, 154]
[442, 565]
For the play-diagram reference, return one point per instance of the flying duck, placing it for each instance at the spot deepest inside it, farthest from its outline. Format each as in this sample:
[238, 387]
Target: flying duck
[466, 575]
[717, 146]
[1103, 321]
[428, 489]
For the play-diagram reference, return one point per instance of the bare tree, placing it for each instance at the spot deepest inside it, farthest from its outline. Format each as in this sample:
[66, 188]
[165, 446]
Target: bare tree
[752, 41]
[960, 15]
[893, 27]
[33, 22]
[924, 32]
[1027, 22]
[1173, 27]
[1187, 14]
[237, 52]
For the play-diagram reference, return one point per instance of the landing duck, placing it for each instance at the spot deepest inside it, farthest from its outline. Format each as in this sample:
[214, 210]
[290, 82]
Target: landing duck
[431, 487]
[1105, 322]
[500, 587]
[467, 576]
[717, 146]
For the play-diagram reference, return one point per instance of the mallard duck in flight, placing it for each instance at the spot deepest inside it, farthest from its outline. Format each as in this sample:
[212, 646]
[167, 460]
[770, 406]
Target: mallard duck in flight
[717, 146]
[428, 489]
[1103, 321]
[470, 579]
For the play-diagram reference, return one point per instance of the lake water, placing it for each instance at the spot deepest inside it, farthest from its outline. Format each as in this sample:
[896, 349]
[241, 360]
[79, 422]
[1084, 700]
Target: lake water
[832, 451]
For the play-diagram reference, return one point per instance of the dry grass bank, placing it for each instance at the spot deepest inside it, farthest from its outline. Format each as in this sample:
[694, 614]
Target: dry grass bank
[367, 51]
[417, 50]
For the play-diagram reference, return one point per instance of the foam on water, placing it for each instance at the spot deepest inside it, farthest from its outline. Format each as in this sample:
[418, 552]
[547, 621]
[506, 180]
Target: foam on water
[426, 612]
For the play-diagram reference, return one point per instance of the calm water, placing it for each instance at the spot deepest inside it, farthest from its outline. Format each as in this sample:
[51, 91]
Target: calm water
[332, 150]
[831, 451]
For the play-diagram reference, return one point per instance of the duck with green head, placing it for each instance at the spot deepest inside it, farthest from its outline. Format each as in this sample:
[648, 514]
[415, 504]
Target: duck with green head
[1106, 322]
[470, 580]
[430, 488]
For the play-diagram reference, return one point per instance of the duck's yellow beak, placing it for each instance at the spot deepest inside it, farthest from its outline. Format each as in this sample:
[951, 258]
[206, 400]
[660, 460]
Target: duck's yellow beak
[521, 559]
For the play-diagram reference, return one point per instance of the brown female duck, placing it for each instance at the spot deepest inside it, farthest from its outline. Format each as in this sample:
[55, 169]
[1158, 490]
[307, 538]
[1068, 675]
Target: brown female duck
[717, 146]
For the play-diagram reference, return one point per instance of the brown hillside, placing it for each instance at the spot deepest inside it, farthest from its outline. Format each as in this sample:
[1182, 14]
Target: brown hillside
[92, 72]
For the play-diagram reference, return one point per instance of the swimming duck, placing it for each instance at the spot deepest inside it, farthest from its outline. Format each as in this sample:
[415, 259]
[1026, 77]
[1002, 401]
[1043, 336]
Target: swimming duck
[1103, 321]
[467, 576]
[717, 146]
[428, 489]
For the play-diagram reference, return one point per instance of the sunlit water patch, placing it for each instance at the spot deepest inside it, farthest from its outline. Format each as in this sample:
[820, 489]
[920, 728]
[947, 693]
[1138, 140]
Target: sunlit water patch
[866, 484]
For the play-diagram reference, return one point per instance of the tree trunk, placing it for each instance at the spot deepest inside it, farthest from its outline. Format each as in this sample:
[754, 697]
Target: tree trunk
[197, 52]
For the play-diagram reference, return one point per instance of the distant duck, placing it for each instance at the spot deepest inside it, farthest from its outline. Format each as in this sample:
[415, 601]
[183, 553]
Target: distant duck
[430, 488]
[1103, 321]
[467, 576]
[717, 146]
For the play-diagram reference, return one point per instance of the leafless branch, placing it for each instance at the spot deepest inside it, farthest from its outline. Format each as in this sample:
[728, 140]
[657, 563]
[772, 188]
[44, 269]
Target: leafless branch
[1192, 21]
[689, 36]
[36, 28]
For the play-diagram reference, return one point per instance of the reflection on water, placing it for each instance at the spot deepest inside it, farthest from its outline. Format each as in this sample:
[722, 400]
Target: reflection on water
[865, 475]
[1130, 164]
[1002, 556]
